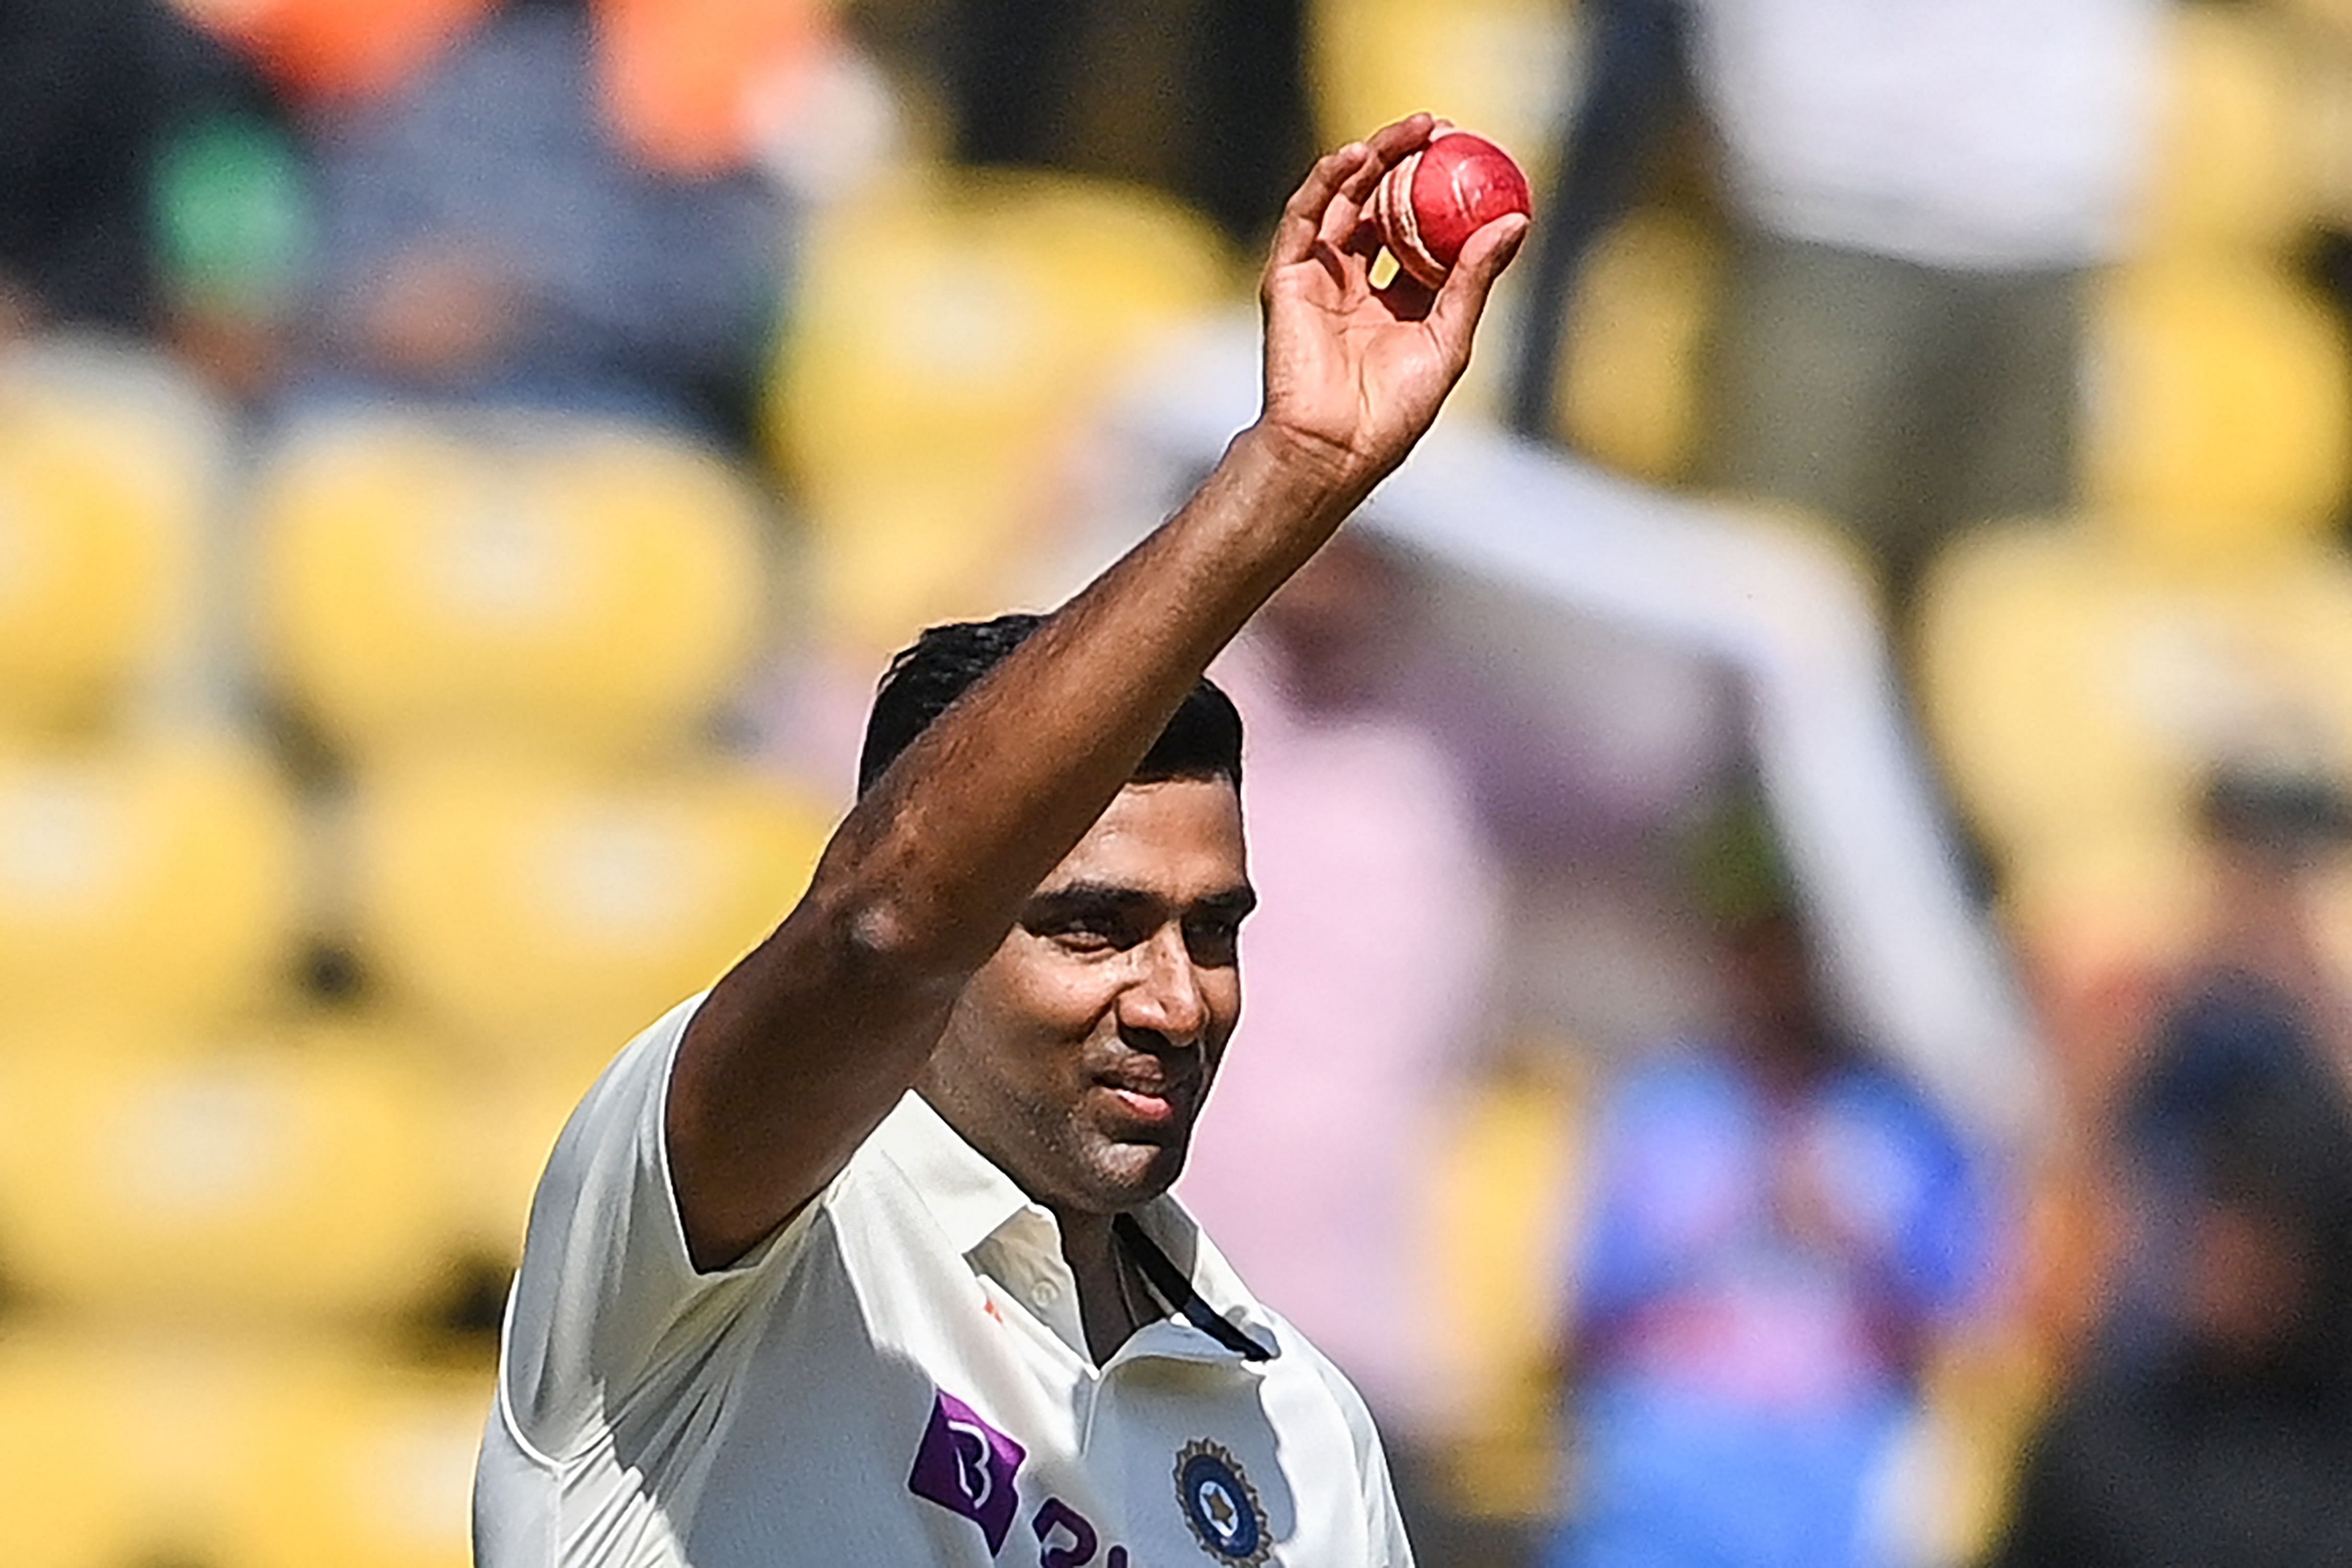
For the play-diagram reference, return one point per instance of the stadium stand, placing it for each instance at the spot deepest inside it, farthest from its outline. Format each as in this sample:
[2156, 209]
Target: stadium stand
[2083, 675]
[1494, 64]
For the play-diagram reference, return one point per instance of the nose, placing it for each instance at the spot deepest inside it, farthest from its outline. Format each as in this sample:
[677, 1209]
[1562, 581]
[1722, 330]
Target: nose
[1165, 997]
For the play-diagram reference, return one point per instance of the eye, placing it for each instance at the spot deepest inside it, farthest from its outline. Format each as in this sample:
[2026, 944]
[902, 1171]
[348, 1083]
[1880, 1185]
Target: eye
[1092, 933]
[1214, 940]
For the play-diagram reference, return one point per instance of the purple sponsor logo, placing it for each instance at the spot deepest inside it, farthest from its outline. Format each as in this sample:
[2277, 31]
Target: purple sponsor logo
[967, 1466]
[1077, 1547]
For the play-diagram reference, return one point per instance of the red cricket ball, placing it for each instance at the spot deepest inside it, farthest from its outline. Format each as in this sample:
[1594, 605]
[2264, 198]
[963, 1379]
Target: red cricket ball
[1436, 197]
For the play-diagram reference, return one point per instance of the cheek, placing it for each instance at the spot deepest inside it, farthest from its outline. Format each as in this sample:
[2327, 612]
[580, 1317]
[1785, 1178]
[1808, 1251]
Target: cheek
[1033, 1000]
[1222, 990]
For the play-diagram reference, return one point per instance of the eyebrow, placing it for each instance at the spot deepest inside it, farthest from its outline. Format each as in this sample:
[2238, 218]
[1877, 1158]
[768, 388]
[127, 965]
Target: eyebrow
[1081, 899]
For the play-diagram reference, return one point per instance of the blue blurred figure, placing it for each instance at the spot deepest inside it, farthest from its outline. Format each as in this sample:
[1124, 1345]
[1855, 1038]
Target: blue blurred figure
[1781, 1227]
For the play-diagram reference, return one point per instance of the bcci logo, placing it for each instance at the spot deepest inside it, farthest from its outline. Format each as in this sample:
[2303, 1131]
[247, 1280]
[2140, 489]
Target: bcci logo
[1221, 1506]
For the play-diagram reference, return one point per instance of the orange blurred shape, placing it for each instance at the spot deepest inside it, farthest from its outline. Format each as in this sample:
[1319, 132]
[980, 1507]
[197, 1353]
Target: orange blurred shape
[689, 83]
[337, 49]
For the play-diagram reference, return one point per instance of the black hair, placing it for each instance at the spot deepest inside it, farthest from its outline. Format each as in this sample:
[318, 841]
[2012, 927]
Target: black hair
[1202, 740]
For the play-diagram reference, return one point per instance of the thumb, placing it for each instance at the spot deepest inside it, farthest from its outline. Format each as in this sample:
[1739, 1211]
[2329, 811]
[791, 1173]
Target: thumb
[1462, 297]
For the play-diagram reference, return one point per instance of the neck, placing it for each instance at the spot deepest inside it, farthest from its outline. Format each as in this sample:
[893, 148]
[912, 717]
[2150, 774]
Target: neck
[1105, 1284]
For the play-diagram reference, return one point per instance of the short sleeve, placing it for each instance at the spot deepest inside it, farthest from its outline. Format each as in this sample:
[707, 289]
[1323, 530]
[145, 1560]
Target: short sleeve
[1384, 1536]
[607, 1296]
[1384, 1524]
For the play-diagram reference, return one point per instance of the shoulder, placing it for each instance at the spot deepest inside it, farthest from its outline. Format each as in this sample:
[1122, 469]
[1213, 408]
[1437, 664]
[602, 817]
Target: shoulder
[1308, 1366]
[1298, 1359]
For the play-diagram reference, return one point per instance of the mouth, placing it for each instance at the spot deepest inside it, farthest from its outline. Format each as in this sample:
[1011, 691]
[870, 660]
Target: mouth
[1146, 1104]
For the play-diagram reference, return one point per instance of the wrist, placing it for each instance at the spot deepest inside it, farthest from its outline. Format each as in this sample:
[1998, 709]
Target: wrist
[1317, 475]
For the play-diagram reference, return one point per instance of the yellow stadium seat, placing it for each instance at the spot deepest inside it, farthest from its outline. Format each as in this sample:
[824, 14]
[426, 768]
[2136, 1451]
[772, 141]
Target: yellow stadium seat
[1637, 326]
[2220, 415]
[951, 332]
[533, 910]
[1501, 68]
[910, 547]
[362, 1466]
[504, 1124]
[2078, 695]
[156, 881]
[584, 590]
[1500, 1224]
[2227, 175]
[260, 1181]
[119, 1450]
[104, 490]
[69, 1495]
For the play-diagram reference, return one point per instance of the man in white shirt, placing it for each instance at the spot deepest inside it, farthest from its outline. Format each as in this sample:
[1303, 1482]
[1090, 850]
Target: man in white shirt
[864, 1256]
[1919, 192]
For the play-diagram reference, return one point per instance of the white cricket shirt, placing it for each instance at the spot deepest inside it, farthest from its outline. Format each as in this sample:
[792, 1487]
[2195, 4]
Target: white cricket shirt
[897, 1378]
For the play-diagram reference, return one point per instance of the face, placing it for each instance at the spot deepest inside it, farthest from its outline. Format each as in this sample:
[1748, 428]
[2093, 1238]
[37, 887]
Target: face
[1078, 1056]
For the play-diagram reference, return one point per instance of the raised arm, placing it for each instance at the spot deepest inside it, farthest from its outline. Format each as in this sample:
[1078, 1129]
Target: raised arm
[802, 1049]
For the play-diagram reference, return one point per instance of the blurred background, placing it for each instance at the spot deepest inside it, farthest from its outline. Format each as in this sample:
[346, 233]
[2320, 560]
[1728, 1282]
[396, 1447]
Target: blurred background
[1800, 1011]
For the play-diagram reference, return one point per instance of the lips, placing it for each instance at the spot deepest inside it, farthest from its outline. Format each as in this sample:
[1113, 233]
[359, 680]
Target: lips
[1151, 1102]
[1148, 1107]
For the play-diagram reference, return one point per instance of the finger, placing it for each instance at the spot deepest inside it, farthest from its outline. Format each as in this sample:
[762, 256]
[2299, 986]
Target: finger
[1343, 219]
[1390, 142]
[1302, 215]
[1407, 297]
[1462, 297]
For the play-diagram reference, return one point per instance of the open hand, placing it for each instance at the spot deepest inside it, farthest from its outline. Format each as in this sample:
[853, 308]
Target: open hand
[1354, 374]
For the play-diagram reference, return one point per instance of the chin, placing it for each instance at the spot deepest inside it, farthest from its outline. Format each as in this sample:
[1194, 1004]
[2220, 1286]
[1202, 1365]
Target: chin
[1121, 1176]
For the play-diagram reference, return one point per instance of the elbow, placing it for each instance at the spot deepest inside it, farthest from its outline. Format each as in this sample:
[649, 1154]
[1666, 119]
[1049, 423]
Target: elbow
[874, 929]
[879, 936]
[898, 944]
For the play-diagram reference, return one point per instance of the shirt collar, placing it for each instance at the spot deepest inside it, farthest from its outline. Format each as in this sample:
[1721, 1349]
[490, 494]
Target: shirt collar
[971, 1199]
[968, 1196]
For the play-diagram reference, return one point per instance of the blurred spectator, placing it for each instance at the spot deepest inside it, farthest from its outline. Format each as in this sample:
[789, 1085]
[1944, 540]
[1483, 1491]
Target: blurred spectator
[1206, 100]
[547, 213]
[1782, 1233]
[2228, 1443]
[327, 52]
[2257, 1013]
[1914, 197]
[2214, 1426]
[1367, 965]
[150, 187]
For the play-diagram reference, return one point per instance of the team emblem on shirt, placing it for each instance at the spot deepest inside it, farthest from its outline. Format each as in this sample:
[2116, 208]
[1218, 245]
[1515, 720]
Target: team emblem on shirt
[1221, 1506]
